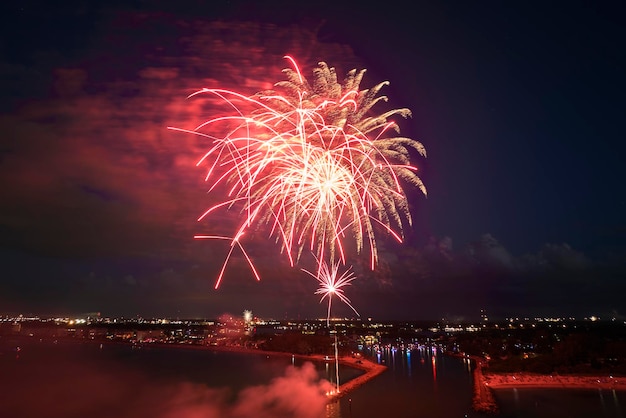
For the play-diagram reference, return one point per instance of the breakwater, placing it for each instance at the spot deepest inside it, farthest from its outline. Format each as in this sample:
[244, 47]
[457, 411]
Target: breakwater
[483, 399]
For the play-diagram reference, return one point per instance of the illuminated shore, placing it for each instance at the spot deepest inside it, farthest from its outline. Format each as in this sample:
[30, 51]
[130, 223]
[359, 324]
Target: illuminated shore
[485, 383]
[371, 371]
[483, 399]
[525, 380]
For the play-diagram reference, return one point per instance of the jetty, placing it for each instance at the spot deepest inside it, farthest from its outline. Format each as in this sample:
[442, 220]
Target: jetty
[483, 399]
[371, 369]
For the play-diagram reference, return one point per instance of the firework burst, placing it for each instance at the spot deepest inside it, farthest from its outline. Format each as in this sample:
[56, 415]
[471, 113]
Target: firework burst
[332, 284]
[311, 164]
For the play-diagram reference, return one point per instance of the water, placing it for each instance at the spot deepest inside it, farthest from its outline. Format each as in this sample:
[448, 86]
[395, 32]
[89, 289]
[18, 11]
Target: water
[73, 379]
[575, 403]
[418, 383]
[77, 380]
[427, 384]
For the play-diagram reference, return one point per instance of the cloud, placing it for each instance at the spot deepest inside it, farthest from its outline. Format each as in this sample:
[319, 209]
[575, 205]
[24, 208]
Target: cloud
[488, 253]
[91, 170]
[130, 280]
[436, 278]
[562, 256]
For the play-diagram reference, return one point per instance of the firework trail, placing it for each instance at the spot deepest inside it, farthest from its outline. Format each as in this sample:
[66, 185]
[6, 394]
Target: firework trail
[310, 164]
[332, 284]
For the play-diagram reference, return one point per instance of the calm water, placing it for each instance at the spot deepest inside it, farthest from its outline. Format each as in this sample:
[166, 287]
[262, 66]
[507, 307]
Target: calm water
[421, 384]
[532, 403]
[78, 380]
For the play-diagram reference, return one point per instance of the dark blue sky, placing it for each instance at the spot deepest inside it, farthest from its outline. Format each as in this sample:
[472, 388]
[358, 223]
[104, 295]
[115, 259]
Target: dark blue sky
[519, 105]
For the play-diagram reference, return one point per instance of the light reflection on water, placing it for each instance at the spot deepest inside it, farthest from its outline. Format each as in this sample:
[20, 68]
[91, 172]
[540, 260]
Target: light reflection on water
[418, 383]
[424, 383]
[618, 408]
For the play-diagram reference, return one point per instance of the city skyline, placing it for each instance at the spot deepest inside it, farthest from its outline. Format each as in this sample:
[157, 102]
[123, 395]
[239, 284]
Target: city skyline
[519, 108]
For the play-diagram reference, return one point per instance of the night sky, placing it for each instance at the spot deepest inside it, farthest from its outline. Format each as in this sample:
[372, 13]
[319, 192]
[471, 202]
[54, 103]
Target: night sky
[520, 106]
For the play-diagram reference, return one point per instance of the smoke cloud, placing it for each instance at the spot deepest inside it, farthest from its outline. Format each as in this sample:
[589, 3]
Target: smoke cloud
[68, 388]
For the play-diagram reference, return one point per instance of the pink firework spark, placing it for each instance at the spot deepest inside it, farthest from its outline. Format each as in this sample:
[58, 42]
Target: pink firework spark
[310, 164]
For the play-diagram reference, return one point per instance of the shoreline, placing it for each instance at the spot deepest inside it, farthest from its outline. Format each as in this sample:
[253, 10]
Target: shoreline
[535, 381]
[486, 383]
[370, 368]
[482, 399]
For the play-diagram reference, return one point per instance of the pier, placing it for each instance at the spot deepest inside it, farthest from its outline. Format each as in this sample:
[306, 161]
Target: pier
[483, 399]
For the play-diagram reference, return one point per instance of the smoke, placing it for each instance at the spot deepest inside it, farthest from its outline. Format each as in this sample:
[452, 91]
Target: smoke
[297, 394]
[68, 388]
